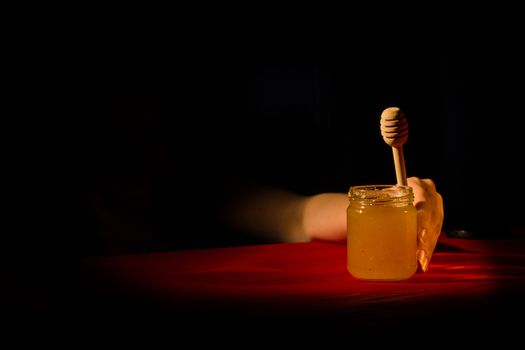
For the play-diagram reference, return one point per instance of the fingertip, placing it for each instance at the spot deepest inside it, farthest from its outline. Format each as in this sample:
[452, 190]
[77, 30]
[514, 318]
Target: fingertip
[424, 266]
[422, 260]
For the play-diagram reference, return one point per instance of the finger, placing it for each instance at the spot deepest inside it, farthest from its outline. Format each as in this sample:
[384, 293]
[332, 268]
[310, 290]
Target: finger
[422, 260]
[430, 216]
[427, 242]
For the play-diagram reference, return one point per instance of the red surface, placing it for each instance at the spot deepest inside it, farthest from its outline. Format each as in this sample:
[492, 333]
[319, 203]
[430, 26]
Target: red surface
[472, 287]
[311, 278]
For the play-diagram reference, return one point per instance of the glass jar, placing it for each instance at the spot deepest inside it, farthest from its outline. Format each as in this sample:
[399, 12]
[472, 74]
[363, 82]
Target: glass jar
[381, 232]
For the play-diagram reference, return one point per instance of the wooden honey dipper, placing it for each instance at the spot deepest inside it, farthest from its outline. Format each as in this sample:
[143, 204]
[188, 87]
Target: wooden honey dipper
[394, 129]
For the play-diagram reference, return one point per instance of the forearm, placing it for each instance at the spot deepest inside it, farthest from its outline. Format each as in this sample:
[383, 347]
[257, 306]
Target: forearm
[324, 216]
[271, 214]
[277, 215]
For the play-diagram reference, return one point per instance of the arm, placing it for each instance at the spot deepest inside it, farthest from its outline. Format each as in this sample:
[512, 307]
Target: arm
[271, 214]
[278, 215]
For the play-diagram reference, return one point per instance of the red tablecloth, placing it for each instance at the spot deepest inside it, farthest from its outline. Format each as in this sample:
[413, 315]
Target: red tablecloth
[471, 286]
[314, 274]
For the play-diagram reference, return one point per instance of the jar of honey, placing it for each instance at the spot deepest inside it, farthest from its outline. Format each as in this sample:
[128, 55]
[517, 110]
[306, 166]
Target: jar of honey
[381, 232]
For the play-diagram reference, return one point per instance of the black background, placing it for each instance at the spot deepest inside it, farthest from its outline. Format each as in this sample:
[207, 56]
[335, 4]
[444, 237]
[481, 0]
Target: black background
[289, 95]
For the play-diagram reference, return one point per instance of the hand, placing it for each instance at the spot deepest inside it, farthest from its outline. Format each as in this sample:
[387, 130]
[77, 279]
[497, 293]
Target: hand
[429, 205]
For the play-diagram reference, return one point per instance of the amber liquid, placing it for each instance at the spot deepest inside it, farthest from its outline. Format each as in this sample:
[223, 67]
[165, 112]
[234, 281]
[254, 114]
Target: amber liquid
[382, 242]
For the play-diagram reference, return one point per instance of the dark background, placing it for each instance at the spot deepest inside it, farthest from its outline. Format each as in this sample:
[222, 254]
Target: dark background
[117, 121]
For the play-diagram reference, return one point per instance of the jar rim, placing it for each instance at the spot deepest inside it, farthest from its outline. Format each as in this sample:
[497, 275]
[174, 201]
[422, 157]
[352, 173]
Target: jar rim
[380, 192]
[378, 187]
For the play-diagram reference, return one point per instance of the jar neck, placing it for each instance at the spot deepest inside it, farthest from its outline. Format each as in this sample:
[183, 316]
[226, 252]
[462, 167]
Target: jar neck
[381, 195]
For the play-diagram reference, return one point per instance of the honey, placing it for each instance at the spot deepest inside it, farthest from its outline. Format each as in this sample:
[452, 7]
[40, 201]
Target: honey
[381, 233]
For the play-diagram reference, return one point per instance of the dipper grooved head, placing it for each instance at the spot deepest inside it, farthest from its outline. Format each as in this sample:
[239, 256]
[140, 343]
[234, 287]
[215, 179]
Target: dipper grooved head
[394, 127]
